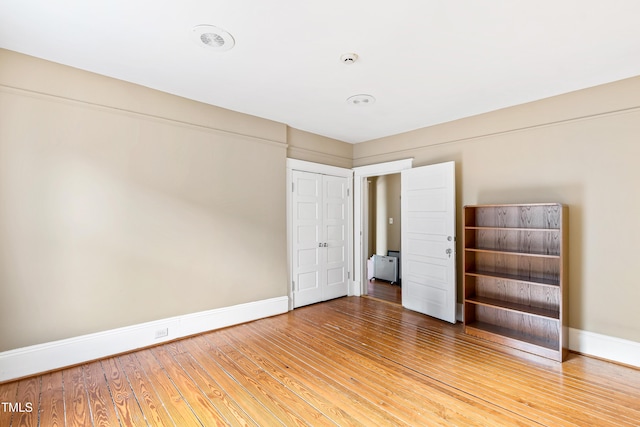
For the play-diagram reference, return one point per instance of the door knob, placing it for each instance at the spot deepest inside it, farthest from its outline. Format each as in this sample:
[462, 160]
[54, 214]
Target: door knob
[448, 252]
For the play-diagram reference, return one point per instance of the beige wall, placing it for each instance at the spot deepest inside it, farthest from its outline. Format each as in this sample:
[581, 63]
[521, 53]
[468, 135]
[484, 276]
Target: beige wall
[393, 211]
[319, 149]
[384, 198]
[120, 204]
[581, 149]
[373, 216]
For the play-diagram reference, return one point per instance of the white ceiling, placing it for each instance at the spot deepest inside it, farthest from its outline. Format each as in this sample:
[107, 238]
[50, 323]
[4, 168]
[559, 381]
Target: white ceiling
[425, 61]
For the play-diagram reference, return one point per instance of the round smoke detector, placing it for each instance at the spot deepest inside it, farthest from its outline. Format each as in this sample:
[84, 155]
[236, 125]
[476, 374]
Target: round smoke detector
[349, 58]
[361, 100]
[212, 37]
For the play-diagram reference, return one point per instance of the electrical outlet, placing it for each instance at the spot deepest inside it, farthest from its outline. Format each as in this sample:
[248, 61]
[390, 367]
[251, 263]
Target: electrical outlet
[160, 333]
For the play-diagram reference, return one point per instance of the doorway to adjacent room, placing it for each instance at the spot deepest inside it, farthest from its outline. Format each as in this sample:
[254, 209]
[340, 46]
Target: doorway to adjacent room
[383, 238]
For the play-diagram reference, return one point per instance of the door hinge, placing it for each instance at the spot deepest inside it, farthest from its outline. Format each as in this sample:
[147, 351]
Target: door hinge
[348, 275]
[293, 185]
[293, 285]
[348, 192]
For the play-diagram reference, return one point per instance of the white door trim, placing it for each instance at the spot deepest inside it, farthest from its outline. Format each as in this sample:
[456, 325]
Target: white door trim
[304, 166]
[360, 213]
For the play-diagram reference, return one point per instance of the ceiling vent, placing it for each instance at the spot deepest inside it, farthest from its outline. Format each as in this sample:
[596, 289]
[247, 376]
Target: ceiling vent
[212, 37]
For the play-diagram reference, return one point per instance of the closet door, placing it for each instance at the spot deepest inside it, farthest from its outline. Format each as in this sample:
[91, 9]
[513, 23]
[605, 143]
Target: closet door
[307, 239]
[319, 237]
[334, 226]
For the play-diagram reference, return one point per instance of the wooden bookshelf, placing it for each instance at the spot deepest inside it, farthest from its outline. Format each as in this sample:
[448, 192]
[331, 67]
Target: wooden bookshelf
[515, 287]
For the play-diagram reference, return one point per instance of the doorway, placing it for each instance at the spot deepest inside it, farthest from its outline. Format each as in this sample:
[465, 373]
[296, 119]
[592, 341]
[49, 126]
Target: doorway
[363, 249]
[428, 235]
[384, 274]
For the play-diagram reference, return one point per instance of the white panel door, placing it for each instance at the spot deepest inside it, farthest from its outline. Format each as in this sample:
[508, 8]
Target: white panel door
[428, 240]
[335, 227]
[307, 249]
[319, 237]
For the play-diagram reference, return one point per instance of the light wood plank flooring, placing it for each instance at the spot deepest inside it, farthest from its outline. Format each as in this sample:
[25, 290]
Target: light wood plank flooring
[385, 291]
[350, 361]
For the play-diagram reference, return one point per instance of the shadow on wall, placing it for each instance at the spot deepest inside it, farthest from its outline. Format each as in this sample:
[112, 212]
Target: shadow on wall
[573, 197]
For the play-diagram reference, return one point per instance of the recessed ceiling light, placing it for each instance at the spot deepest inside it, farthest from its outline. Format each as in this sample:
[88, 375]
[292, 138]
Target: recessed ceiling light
[361, 100]
[212, 37]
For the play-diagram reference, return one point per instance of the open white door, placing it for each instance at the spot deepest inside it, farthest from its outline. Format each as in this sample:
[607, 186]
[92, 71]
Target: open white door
[428, 240]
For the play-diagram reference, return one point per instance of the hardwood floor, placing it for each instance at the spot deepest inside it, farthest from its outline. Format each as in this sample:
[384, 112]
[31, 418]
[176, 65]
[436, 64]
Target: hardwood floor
[351, 361]
[385, 291]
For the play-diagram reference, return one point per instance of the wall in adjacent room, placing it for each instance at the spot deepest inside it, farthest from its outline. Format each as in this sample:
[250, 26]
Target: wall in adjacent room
[393, 211]
[386, 191]
[580, 149]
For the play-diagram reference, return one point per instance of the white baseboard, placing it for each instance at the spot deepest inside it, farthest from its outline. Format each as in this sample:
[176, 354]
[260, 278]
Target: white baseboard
[38, 358]
[596, 345]
[605, 347]
[49, 356]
